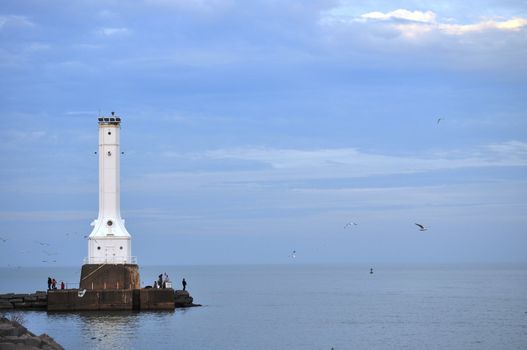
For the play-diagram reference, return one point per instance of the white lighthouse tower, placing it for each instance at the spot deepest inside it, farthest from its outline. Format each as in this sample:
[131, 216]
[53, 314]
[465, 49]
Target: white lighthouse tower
[109, 241]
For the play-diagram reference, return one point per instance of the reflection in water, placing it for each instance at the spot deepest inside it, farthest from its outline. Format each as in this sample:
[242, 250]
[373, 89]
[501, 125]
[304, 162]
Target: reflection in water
[107, 329]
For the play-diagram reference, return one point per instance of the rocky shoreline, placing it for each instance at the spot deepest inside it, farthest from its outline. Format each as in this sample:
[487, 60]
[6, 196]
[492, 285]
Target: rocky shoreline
[15, 336]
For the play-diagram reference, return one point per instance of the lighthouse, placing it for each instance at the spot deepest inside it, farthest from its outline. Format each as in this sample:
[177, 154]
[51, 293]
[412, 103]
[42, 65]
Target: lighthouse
[110, 278]
[109, 241]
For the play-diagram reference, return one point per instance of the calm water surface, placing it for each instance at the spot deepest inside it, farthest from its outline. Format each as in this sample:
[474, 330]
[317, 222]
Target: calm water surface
[305, 307]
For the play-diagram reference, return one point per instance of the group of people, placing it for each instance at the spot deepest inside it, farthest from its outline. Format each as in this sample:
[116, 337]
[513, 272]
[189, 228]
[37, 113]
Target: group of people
[52, 284]
[163, 280]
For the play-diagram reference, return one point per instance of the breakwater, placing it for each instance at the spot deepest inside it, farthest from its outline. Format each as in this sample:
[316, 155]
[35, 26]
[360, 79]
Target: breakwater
[34, 301]
[79, 300]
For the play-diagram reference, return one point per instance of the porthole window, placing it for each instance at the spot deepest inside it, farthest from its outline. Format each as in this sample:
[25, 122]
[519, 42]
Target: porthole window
[109, 132]
[109, 153]
[109, 223]
[98, 248]
[121, 248]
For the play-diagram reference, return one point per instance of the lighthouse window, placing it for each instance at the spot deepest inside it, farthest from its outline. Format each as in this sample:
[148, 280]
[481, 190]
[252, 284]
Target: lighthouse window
[109, 132]
[109, 223]
[121, 248]
[98, 248]
[109, 153]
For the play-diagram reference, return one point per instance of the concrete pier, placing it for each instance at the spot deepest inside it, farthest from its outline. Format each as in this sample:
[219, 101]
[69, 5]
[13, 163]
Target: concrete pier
[101, 299]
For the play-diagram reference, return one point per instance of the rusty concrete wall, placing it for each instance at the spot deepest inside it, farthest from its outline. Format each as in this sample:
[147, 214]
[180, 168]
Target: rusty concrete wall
[156, 299]
[110, 276]
[69, 300]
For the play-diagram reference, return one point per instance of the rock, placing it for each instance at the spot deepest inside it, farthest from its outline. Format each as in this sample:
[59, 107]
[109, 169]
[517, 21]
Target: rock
[16, 300]
[22, 305]
[39, 304]
[15, 336]
[20, 296]
[182, 298]
[30, 298]
[7, 296]
[49, 343]
[5, 304]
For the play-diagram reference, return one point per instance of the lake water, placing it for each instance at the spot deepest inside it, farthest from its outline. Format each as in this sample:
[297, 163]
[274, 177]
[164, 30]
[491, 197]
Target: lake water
[304, 307]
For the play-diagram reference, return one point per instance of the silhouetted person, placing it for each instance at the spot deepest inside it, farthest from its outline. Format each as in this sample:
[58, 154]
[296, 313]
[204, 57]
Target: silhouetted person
[49, 283]
[62, 285]
[184, 283]
[371, 271]
[53, 284]
[160, 280]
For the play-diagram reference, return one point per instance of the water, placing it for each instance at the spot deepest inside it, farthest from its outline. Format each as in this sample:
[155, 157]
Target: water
[305, 307]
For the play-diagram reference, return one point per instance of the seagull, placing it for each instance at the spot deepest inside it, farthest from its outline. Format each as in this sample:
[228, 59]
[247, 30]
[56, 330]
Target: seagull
[293, 254]
[350, 224]
[42, 243]
[439, 119]
[3, 239]
[421, 227]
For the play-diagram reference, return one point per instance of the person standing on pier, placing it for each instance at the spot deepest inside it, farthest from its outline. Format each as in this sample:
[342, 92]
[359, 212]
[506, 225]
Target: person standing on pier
[184, 283]
[49, 283]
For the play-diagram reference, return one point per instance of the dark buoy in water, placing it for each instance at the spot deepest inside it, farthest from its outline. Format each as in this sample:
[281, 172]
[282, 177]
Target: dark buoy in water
[371, 271]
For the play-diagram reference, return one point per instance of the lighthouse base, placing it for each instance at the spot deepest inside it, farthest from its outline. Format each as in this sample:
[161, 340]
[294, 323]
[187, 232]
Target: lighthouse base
[115, 287]
[110, 277]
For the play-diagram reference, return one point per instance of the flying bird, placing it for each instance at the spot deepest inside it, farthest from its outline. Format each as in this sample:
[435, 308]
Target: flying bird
[421, 227]
[350, 224]
[293, 254]
[42, 243]
[439, 119]
[3, 239]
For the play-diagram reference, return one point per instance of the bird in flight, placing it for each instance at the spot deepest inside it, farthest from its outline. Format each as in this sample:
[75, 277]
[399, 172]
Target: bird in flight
[350, 224]
[421, 227]
[293, 254]
[3, 239]
[42, 243]
[439, 120]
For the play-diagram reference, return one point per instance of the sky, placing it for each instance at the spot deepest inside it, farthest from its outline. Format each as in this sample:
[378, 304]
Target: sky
[255, 128]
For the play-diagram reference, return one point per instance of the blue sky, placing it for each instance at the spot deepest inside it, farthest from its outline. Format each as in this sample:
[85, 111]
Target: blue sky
[252, 128]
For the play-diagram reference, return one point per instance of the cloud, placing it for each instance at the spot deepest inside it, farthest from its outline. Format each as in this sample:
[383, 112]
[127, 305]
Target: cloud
[512, 153]
[46, 215]
[193, 5]
[513, 24]
[412, 24]
[113, 31]
[14, 21]
[415, 16]
[24, 136]
[293, 165]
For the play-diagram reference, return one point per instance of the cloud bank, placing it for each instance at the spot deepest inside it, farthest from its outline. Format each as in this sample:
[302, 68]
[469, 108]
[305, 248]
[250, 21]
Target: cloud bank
[414, 23]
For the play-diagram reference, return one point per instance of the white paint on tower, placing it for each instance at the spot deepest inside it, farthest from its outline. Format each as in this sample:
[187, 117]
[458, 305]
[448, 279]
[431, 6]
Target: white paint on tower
[109, 241]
